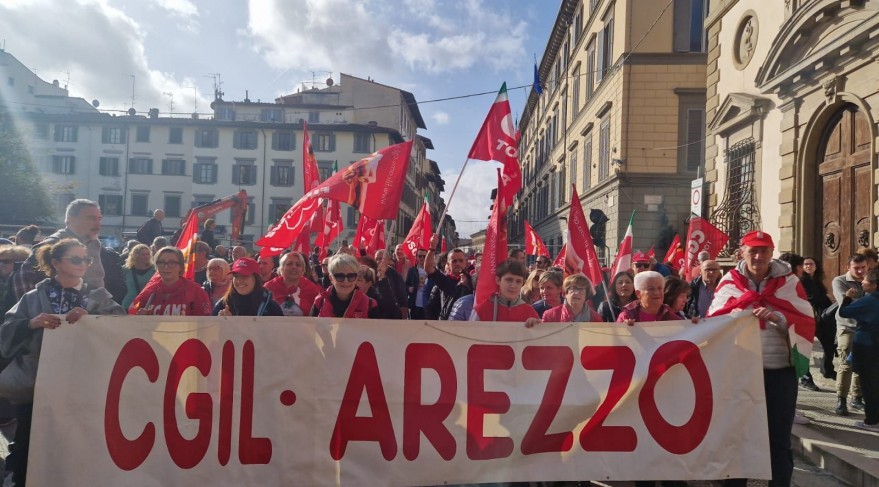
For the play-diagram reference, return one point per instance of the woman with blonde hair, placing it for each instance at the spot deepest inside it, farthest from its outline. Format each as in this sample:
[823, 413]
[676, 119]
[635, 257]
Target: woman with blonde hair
[137, 271]
[531, 289]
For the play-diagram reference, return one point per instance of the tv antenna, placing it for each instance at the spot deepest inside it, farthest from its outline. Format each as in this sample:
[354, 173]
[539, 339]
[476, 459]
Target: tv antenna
[218, 85]
[133, 93]
[315, 76]
[170, 101]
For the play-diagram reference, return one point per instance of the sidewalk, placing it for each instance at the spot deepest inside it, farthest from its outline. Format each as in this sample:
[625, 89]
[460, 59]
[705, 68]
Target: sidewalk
[832, 442]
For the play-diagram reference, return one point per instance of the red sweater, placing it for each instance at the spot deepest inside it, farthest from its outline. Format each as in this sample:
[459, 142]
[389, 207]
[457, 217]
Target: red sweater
[519, 311]
[358, 307]
[303, 295]
[183, 298]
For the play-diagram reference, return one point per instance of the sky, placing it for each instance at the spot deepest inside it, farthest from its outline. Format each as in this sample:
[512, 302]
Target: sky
[169, 51]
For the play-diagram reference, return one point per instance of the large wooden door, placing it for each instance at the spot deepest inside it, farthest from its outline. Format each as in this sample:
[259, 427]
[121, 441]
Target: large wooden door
[846, 190]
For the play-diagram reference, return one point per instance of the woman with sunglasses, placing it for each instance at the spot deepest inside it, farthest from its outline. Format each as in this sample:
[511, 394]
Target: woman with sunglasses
[246, 296]
[292, 290]
[343, 299]
[138, 270]
[172, 294]
[577, 306]
[621, 293]
[64, 297]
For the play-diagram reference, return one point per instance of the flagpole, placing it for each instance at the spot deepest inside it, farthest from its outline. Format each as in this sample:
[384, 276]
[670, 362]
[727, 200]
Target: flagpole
[439, 225]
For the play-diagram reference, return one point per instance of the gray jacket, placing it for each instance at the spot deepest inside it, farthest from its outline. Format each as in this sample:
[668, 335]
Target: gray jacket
[840, 285]
[17, 338]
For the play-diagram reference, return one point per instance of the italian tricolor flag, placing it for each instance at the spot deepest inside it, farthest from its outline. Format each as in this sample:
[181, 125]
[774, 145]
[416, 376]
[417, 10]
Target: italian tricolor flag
[623, 259]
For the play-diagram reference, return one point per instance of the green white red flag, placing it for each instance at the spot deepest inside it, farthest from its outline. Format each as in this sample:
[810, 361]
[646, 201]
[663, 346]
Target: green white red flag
[623, 260]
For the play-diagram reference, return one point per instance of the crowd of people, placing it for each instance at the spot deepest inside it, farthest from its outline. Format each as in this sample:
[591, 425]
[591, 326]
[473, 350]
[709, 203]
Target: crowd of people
[71, 274]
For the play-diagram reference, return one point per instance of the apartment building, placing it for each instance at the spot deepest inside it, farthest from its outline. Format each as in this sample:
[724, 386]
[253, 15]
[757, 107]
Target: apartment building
[621, 116]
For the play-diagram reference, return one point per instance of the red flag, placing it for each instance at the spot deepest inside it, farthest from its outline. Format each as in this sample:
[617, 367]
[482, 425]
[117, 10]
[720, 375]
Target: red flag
[373, 185]
[419, 235]
[652, 252]
[377, 242]
[295, 221]
[533, 244]
[581, 256]
[494, 250]
[186, 243]
[702, 235]
[444, 249]
[331, 228]
[675, 255]
[560, 259]
[623, 260]
[496, 141]
[310, 174]
[365, 231]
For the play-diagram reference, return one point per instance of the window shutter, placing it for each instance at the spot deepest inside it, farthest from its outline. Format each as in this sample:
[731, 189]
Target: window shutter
[274, 141]
[695, 138]
[236, 139]
[332, 142]
[599, 69]
[274, 176]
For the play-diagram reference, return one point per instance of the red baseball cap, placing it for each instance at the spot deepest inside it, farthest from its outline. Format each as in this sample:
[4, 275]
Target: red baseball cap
[758, 238]
[640, 257]
[245, 266]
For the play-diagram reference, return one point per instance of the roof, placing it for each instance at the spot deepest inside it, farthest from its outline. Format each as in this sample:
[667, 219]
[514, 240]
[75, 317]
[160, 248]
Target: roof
[424, 140]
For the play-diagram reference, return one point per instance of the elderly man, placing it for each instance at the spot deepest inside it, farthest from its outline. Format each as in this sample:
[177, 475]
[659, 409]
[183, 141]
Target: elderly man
[238, 252]
[152, 228]
[83, 219]
[641, 262]
[702, 289]
[767, 287]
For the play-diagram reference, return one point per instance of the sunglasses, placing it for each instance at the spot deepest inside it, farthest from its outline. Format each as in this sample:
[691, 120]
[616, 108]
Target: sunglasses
[351, 277]
[642, 266]
[166, 263]
[79, 260]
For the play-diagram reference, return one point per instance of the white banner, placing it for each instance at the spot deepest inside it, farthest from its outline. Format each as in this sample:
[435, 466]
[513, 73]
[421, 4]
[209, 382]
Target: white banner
[143, 400]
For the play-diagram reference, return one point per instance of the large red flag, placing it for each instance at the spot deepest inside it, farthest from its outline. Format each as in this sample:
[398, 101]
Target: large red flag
[533, 244]
[560, 259]
[581, 256]
[331, 228]
[675, 255]
[310, 174]
[372, 185]
[296, 220]
[497, 142]
[365, 231]
[702, 235]
[186, 243]
[494, 251]
[419, 235]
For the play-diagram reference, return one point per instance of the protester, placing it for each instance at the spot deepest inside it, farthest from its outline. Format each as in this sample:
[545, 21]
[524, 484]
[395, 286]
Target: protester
[207, 233]
[325, 273]
[201, 255]
[542, 262]
[246, 296]
[221, 252]
[152, 228]
[577, 306]
[138, 269]
[531, 289]
[702, 289]
[795, 262]
[865, 345]
[171, 294]
[238, 252]
[846, 381]
[64, 292]
[267, 267]
[382, 289]
[641, 262]
[518, 254]
[343, 299]
[621, 293]
[676, 294]
[452, 286]
[767, 287]
[158, 244]
[507, 304]
[390, 282]
[696, 269]
[365, 282]
[401, 261]
[218, 280]
[825, 326]
[11, 257]
[649, 306]
[550, 286]
[415, 281]
[28, 235]
[292, 290]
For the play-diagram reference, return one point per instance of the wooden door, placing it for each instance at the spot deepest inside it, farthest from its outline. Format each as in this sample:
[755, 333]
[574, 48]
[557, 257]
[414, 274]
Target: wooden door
[846, 197]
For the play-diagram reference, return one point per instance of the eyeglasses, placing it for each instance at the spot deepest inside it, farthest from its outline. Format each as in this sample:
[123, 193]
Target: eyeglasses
[642, 266]
[577, 290]
[6, 261]
[351, 277]
[77, 260]
[166, 263]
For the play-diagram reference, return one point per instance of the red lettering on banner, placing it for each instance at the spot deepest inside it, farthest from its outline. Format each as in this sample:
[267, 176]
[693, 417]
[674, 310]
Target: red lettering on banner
[365, 377]
[428, 418]
[685, 438]
[187, 453]
[227, 396]
[559, 360]
[129, 454]
[595, 436]
[481, 402]
[250, 450]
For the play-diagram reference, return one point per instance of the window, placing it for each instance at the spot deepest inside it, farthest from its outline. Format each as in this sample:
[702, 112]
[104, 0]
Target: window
[143, 134]
[277, 208]
[689, 25]
[41, 130]
[590, 70]
[282, 173]
[574, 168]
[140, 165]
[140, 204]
[283, 141]
[244, 173]
[175, 135]
[172, 205]
[111, 204]
[207, 138]
[313, 117]
[563, 185]
[173, 167]
[604, 148]
[587, 161]
[362, 143]
[204, 171]
[578, 26]
[271, 115]
[108, 166]
[66, 133]
[695, 139]
[325, 168]
[575, 87]
[225, 113]
[324, 142]
[605, 49]
[111, 135]
[250, 218]
[63, 164]
[244, 139]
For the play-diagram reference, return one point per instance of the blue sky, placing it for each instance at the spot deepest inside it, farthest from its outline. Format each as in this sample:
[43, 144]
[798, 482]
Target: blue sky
[432, 48]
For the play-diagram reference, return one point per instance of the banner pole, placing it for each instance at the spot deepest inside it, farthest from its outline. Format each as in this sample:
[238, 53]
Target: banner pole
[439, 225]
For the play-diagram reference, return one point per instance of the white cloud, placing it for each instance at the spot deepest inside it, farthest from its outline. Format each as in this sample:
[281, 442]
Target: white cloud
[441, 118]
[472, 201]
[99, 46]
[184, 10]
